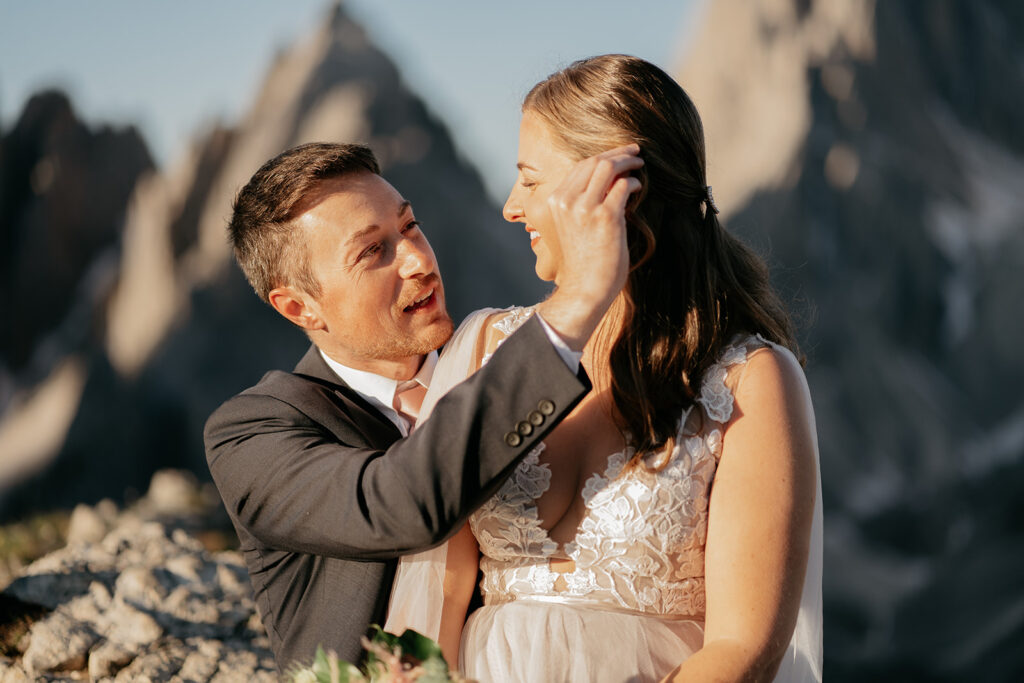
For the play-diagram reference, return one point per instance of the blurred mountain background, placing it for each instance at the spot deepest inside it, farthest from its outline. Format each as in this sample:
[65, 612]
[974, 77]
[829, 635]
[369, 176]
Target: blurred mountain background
[873, 151]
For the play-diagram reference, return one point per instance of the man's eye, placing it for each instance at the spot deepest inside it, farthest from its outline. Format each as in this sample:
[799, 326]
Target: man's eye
[412, 225]
[528, 184]
[368, 252]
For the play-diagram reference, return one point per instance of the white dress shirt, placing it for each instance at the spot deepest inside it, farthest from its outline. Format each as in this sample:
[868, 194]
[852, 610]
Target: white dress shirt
[379, 391]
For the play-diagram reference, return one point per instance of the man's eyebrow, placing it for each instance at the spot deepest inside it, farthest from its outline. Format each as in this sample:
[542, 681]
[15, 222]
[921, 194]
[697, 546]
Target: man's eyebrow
[359, 234]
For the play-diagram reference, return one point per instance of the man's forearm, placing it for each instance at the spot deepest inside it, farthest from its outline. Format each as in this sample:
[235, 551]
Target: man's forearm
[287, 479]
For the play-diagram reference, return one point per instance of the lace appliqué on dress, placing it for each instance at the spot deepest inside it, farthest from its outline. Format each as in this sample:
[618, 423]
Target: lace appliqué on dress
[640, 544]
[514, 320]
[508, 324]
[518, 529]
[714, 395]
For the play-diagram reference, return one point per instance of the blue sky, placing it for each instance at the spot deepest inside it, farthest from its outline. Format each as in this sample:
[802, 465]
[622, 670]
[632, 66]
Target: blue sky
[168, 67]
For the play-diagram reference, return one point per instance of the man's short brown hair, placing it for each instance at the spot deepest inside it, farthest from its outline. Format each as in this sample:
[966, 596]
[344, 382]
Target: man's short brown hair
[261, 228]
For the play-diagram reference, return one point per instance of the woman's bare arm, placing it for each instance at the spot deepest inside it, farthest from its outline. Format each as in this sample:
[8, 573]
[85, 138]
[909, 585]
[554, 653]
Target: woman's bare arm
[759, 525]
[459, 578]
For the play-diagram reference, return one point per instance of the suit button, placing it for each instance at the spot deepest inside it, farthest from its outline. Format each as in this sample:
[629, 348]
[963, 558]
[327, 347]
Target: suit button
[535, 418]
[547, 407]
[524, 428]
[512, 439]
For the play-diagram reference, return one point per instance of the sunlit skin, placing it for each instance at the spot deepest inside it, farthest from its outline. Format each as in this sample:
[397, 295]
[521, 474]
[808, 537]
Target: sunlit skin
[763, 497]
[542, 166]
[381, 307]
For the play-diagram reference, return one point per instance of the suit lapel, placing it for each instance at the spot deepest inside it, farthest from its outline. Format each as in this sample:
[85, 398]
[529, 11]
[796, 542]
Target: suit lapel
[380, 432]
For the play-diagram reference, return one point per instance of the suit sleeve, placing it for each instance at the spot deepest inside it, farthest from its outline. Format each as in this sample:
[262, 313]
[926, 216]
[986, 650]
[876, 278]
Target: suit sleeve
[294, 486]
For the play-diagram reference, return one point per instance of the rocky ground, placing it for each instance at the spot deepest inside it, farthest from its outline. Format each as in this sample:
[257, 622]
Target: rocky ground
[134, 595]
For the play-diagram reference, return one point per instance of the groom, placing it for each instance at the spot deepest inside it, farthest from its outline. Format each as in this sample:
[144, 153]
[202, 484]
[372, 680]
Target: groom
[322, 482]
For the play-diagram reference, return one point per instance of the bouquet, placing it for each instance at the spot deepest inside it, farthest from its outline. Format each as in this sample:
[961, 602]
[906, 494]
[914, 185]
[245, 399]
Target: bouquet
[410, 657]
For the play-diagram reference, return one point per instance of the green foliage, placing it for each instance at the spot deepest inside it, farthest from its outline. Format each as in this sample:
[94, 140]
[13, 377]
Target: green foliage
[26, 541]
[409, 657]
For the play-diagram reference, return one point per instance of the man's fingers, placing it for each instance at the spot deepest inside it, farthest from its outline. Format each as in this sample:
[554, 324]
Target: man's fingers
[589, 181]
[591, 178]
[619, 193]
[631, 149]
[606, 171]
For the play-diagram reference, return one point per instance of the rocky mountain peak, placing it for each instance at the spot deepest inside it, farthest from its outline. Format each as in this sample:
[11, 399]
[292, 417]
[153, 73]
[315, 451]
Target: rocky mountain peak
[181, 330]
[59, 216]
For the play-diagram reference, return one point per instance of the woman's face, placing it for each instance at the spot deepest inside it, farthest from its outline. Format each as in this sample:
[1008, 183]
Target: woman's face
[542, 166]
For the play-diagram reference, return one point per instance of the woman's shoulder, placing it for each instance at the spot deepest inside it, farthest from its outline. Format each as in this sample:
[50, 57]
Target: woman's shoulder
[749, 367]
[771, 365]
[772, 385]
[505, 321]
[485, 329]
[498, 325]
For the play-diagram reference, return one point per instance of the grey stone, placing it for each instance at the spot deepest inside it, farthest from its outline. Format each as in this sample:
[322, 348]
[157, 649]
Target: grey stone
[143, 604]
[158, 662]
[139, 585]
[233, 579]
[11, 672]
[58, 643]
[185, 567]
[128, 626]
[173, 492]
[86, 525]
[202, 660]
[107, 658]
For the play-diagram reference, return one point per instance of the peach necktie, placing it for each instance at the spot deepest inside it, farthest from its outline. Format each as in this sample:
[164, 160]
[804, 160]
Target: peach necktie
[408, 399]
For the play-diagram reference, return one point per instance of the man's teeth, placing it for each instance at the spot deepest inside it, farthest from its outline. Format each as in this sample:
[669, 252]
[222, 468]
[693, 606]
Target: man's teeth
[534, 235]
[420, 302]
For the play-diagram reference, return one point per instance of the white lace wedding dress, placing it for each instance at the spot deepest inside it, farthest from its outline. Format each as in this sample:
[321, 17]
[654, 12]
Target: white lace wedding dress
[633, 607]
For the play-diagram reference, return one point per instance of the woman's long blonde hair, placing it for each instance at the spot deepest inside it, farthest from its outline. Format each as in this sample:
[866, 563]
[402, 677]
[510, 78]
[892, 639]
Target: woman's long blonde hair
[692, 285]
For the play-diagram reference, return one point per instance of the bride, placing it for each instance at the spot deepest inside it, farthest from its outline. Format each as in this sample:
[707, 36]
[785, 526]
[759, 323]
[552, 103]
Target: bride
[670, 527]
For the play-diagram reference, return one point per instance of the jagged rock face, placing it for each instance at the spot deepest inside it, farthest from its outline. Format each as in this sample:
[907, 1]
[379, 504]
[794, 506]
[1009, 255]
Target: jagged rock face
[336, 86]
[183, 331]
[135, 597]
[892, 210]
[63, 190]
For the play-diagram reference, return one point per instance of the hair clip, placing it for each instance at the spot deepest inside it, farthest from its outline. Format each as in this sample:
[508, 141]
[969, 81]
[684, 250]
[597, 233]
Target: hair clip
[709, 199]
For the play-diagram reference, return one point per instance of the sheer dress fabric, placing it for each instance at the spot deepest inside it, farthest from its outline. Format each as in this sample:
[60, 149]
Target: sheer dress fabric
[633, 607]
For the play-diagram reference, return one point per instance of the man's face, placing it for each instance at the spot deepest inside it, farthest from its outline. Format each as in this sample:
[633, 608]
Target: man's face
[381, 302]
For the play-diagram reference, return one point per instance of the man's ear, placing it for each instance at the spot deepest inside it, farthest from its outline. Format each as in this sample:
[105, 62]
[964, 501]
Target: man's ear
[296, 306]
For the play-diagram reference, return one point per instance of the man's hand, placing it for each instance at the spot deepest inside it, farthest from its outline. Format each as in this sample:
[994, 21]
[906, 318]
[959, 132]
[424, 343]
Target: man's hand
[589, 212]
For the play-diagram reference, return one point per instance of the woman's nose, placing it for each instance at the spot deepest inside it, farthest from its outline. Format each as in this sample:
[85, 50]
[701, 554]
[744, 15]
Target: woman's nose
[512, 211]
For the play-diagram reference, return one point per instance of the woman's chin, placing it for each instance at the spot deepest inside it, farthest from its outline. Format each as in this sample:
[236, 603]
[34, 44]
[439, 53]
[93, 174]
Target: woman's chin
[544, 272]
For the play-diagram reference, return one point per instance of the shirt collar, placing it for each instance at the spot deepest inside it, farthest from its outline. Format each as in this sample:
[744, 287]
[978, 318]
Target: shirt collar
[378, 389]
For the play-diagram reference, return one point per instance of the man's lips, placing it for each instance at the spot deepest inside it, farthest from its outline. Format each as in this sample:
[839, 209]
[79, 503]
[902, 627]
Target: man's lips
[534, 235]
[423, 301]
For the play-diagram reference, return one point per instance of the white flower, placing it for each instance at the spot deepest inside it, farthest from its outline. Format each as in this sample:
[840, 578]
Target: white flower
[580, 582]
[714, 443]
[647, 597]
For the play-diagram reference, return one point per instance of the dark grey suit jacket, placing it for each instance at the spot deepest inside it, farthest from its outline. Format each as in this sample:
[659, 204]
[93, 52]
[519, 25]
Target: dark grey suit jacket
[325, 494]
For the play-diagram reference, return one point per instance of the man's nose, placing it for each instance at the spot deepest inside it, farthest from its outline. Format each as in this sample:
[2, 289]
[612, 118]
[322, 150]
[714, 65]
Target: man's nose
[415, 259]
